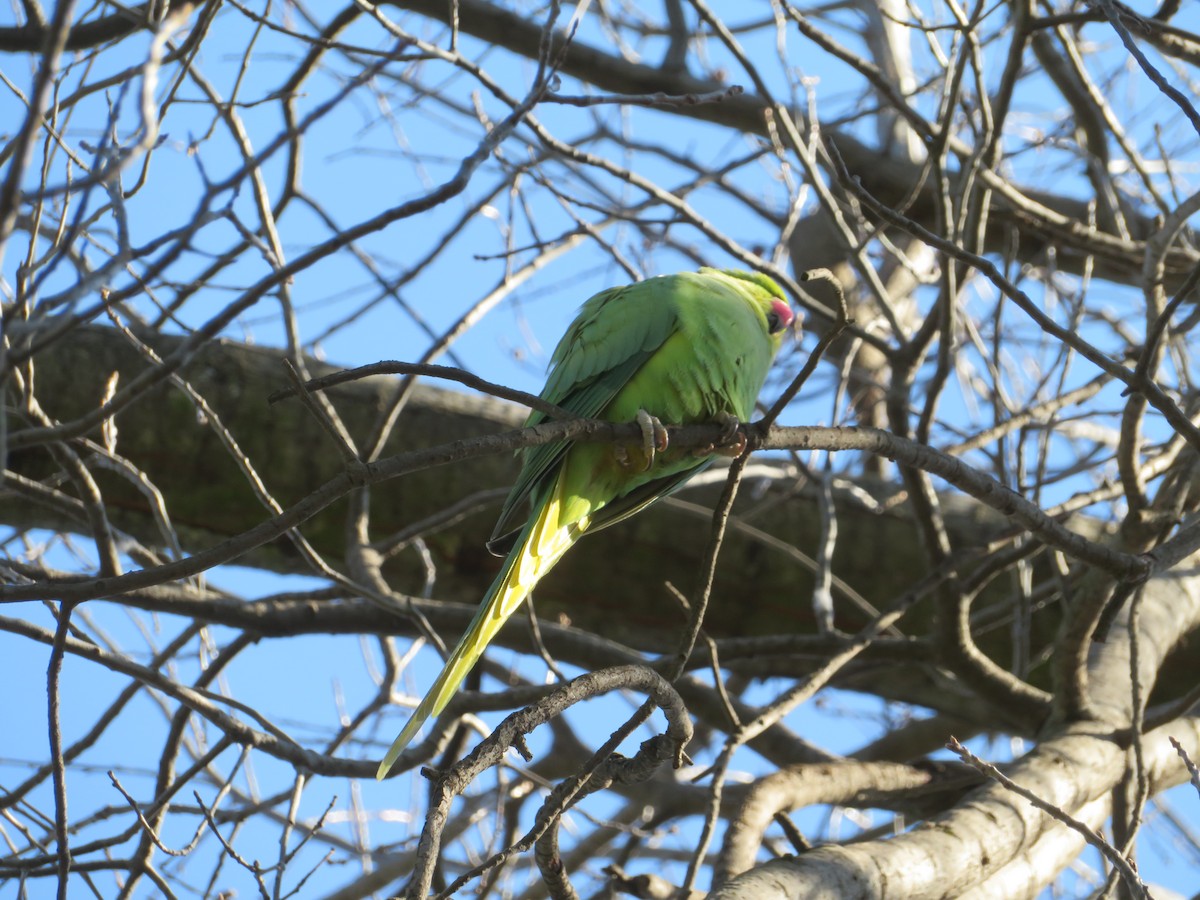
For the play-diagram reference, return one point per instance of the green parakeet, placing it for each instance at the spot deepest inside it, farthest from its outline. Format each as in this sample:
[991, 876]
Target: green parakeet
[688, 348]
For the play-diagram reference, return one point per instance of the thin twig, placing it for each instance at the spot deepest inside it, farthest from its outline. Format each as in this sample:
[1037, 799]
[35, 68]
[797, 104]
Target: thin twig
[448, 373]
[1110, 853]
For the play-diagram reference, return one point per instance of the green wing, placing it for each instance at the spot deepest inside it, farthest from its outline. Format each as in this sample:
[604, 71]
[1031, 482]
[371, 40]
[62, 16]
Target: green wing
[615, 333]
[685, 348]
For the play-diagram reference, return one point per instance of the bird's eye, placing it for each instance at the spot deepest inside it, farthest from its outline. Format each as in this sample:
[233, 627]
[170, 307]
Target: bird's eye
[780, 317]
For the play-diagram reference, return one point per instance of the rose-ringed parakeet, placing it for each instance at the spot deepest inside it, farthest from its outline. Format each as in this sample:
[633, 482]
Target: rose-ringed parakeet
[681, 349]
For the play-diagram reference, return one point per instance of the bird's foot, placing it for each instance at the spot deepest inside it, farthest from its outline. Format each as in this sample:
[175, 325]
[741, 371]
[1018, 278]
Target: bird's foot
[732, 442]
[654, 440]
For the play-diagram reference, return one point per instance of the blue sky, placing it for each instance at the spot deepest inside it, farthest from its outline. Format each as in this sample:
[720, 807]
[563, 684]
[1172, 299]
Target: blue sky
[359, 159]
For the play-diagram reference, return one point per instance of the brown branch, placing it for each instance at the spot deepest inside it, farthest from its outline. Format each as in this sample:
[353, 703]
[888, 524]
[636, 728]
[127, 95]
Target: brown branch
[490, 752]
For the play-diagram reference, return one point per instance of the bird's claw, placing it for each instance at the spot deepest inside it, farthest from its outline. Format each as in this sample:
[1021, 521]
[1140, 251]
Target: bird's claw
[654, 434]
[732, 442]
[654, 440]
[734, 447]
